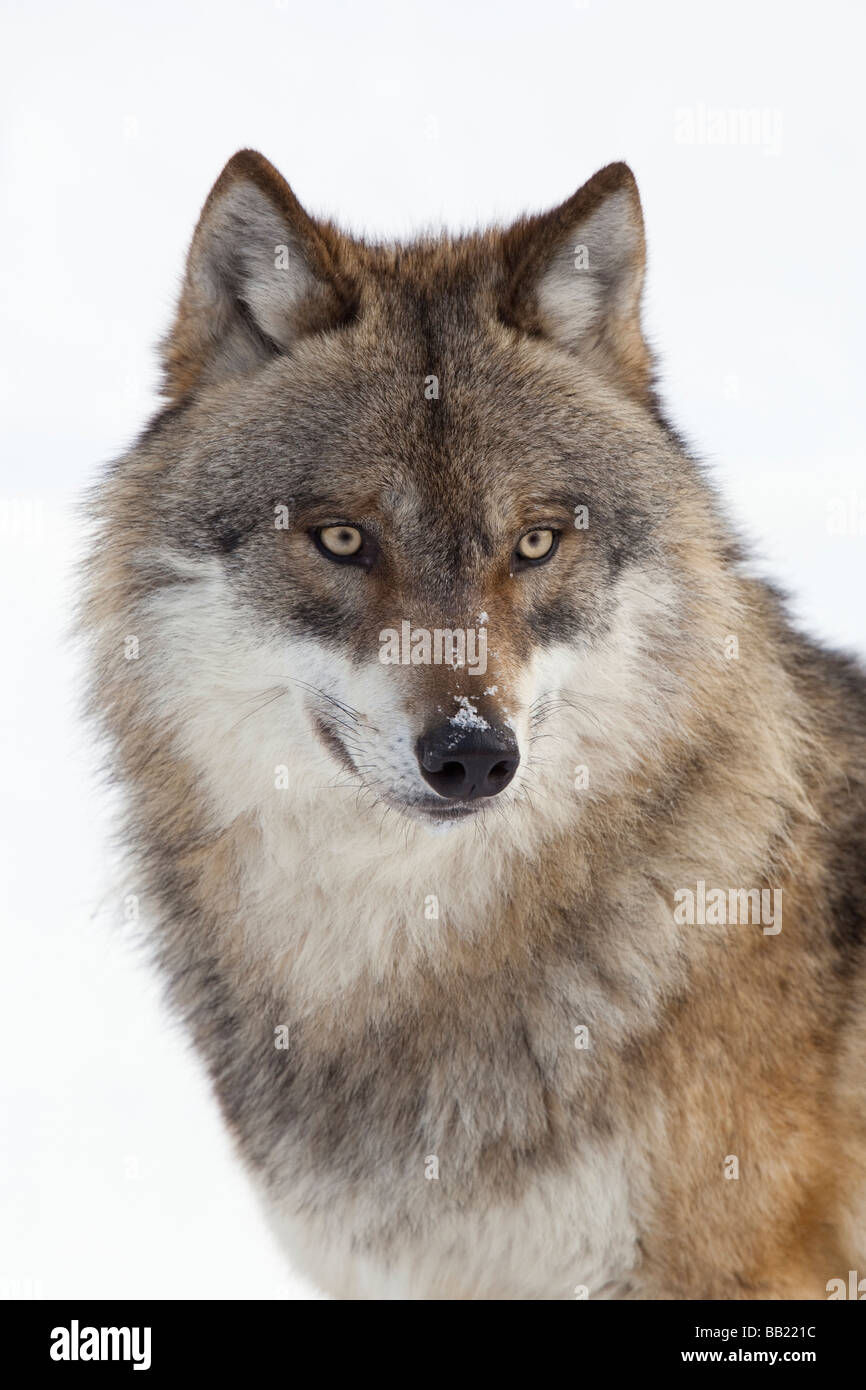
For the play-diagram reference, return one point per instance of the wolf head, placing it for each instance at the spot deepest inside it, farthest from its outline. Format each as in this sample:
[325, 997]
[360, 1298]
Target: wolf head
[411, 532]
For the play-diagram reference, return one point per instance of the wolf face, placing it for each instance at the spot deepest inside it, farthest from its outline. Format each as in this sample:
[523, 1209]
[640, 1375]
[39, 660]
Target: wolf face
[385, 462]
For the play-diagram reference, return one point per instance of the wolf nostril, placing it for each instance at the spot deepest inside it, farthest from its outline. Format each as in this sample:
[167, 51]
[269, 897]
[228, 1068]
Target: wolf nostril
[462, 767]
[452, 772]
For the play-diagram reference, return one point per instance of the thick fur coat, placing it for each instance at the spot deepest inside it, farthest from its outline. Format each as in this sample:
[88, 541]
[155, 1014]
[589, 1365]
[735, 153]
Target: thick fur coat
[478, 1050]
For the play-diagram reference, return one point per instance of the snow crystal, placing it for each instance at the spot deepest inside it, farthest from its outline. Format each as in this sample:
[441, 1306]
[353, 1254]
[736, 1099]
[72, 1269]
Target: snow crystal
[467, 717]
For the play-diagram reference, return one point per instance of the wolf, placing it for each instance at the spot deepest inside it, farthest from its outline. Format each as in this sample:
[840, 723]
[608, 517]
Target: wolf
[420, 921]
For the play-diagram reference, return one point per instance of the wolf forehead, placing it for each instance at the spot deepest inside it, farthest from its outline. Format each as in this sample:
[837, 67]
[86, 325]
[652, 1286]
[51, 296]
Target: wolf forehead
[366, 435]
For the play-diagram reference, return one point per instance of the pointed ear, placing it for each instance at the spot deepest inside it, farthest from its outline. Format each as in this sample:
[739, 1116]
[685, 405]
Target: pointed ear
[576, 274]
[260, 273]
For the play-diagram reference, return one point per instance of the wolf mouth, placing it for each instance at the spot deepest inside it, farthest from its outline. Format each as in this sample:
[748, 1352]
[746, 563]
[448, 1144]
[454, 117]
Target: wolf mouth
[334, 744]
[430, 811]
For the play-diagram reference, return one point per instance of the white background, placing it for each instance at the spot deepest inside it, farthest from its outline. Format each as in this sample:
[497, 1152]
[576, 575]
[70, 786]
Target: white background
[117, 1179]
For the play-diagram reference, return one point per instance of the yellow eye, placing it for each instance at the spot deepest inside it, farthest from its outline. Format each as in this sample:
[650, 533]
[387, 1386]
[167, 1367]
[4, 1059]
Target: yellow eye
[342, 541]
[536, 545]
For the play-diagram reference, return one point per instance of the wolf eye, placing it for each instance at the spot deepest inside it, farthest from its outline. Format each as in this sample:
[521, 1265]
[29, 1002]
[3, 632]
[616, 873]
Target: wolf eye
[340, 542]
[536, 546]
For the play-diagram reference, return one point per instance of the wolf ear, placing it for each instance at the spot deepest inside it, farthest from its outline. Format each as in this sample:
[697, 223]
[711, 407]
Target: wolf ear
[575, 277]
[260, 273]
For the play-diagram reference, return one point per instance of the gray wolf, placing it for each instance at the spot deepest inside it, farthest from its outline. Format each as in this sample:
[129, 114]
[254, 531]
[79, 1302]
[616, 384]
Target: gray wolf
[421, 920]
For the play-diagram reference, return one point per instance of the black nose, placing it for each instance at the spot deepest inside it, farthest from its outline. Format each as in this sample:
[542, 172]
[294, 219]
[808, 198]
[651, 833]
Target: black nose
[462, 764]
